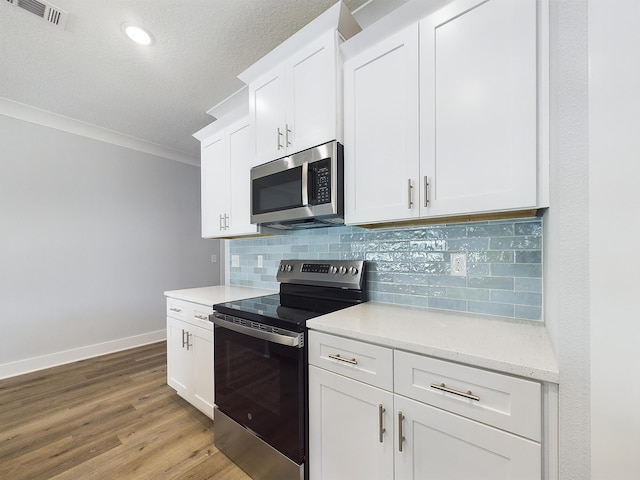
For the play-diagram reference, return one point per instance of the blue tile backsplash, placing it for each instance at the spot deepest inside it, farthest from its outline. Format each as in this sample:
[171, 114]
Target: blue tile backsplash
[412, 265]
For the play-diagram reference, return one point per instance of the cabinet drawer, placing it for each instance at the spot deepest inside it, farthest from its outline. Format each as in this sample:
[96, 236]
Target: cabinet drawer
[502, 401]
[367, 363]
[192, 313]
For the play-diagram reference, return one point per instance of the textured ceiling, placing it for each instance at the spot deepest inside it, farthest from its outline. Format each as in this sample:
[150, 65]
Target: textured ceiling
[91, 72]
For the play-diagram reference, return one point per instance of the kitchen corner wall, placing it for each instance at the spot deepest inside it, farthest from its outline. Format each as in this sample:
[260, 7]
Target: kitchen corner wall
[412, 265]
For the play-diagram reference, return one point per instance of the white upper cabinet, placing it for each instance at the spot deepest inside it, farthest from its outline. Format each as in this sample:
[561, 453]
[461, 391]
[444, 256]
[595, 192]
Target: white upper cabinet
[294, 106]
[226, 160]
[214, 166]
[446, 116]
[381, 130]
[478, 107]
[295, 99]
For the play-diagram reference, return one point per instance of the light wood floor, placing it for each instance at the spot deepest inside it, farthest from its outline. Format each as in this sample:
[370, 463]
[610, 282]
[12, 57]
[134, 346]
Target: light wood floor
[111, 417]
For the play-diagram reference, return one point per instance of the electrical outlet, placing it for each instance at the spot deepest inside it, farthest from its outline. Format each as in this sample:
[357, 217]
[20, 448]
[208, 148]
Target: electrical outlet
[235, 261]
[459, 264]
[214, 258]
[260, 261]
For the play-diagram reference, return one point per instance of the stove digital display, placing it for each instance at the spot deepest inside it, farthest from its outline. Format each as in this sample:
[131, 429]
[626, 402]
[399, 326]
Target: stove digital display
[315, 268]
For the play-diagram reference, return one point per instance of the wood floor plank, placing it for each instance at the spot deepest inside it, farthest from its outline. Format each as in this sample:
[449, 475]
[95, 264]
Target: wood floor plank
[109, 417]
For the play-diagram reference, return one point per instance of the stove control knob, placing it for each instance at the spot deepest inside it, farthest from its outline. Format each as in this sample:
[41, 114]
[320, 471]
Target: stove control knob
[343, 270]
[289, 268]
[282, 267]
[333, 269]
[353, 270]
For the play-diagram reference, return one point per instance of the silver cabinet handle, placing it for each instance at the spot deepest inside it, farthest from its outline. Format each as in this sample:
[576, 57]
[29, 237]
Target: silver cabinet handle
[444, 388]
[226, 221]
[201, 317]
[183, 340]
[175, 309]
[189, 335]
[287, 132]
[401, 438]
[426, 191]
[381, 429]
[221, 222]
[337, 356]
[279, 135]
[410, 193]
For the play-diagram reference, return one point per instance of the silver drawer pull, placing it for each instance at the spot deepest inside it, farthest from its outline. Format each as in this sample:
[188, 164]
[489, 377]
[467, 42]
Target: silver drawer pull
[401, 437]
[175, 309]
[201, 317]
[466, 394]
[381, 429]
[337, 356]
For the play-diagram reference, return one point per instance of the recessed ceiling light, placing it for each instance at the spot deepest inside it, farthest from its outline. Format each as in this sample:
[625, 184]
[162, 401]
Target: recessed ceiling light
[137, 34]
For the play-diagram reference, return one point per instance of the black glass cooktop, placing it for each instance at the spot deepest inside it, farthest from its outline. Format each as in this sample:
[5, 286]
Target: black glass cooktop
[288, 312]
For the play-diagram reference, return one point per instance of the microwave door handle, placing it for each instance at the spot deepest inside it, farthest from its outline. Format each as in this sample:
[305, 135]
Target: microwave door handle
[305, 184]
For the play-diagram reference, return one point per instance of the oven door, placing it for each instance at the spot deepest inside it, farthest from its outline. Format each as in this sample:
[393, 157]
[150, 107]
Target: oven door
[260, 382]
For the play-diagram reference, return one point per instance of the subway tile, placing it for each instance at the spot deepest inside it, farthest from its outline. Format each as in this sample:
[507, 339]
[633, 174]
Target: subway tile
[491, 256]
[528, 285]
[477, 294]
[447, 281]
[528, 312]
[491, 230]
[412, 300]
[529, 256]
[494, 283]
[516, 270]
[515, 243]
[468, 244]
[516, 298]
[447, 304]
[488, 308]
[528, 228]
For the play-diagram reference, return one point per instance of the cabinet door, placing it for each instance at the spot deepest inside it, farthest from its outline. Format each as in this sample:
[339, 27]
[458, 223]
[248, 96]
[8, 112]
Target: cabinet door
[201, 349]
[311, 95]
[478, 107]
[381, 131]
[267, 110]
[241, 159]
[444, 446]
[214, 191]
[344, 429]
[179, 373]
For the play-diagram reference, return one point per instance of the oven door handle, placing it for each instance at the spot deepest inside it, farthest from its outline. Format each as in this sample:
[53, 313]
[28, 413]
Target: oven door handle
[292, 340]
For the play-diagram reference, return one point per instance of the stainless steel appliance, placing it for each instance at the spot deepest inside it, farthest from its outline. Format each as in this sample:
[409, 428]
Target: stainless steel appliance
[304, 190]
[261, 361]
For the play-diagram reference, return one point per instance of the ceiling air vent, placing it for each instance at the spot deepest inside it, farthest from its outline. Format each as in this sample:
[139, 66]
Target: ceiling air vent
[44, 10]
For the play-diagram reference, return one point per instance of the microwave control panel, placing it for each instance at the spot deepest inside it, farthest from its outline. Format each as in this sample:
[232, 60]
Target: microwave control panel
[320, 175]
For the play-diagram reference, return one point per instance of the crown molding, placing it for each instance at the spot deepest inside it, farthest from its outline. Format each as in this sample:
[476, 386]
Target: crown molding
[38, 116]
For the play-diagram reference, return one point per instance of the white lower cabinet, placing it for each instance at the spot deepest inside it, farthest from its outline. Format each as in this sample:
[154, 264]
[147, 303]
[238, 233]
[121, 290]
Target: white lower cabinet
[190, 353]
[444, 446]
[344, 427]
[358, 430]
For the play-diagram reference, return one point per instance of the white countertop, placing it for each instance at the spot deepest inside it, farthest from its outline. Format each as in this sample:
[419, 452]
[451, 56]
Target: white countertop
[509, 346]
[216, 294]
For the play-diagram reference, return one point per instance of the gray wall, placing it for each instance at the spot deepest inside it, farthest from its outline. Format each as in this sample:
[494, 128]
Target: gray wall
[92, 235]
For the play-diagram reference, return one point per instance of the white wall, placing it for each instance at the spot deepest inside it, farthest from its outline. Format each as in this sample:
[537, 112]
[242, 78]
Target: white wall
[92, 234]
[614, 162]
[566, 236]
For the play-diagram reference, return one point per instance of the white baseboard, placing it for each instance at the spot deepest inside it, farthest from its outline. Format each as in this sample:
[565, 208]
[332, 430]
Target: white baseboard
[67, 356]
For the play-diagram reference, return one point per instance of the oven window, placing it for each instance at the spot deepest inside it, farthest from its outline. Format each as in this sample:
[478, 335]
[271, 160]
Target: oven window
[261, 385]
[278, 191]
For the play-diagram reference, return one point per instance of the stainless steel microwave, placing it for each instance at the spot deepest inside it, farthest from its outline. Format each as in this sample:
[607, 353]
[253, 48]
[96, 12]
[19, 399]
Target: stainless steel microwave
[303, 190]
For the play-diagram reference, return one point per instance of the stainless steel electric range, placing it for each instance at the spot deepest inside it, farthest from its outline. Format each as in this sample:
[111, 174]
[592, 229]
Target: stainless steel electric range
[261, 361]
